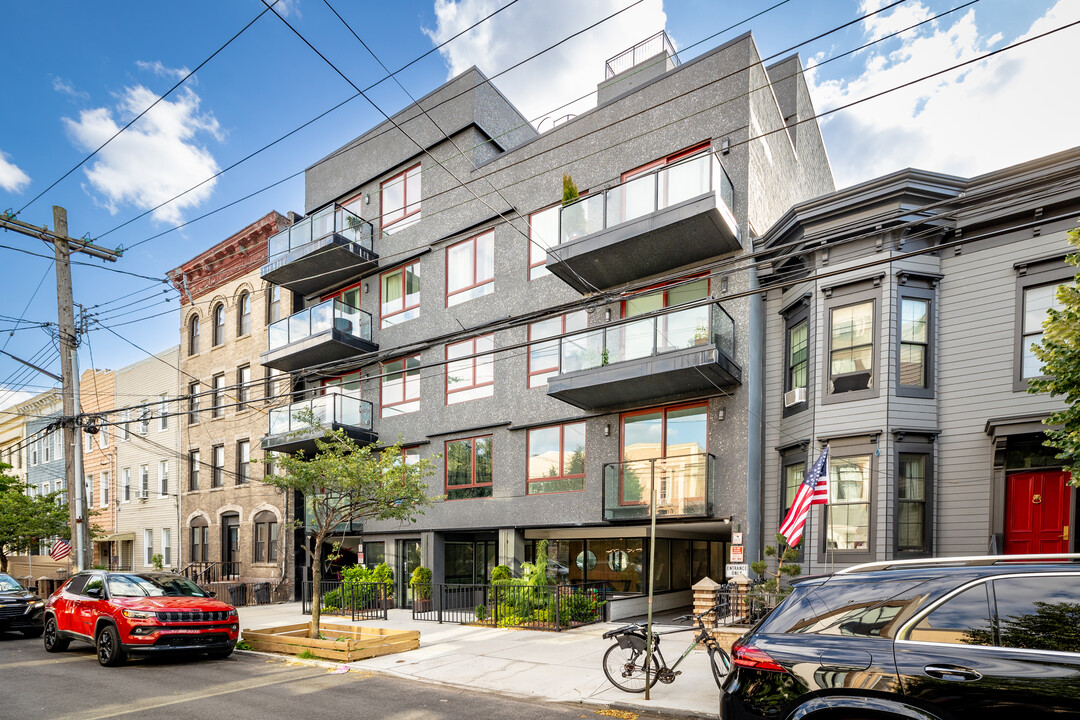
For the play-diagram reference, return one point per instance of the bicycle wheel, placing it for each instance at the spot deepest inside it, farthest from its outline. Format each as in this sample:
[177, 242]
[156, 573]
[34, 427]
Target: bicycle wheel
[625, 668]
[721, 665]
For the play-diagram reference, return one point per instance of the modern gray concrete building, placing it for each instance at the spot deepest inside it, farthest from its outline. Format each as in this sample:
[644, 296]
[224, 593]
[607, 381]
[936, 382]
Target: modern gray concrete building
[555, 362]
[900, 317]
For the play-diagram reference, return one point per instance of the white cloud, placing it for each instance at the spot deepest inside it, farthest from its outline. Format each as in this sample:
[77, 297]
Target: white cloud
[12, 178]
[64, 87]
[566, 73]
[10, 398]
[161, 70]
[155, 159]
[1010, 108]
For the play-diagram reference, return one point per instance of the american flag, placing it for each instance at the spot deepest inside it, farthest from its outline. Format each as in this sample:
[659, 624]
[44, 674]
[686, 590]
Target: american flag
[814, 490]
[60, 550]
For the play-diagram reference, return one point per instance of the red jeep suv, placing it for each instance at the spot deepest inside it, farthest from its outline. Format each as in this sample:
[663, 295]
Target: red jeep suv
[123, 613]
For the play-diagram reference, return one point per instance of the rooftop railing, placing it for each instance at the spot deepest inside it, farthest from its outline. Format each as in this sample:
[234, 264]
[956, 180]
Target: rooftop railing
[330, 221]
[328, 410]
[651, 336]
[645, 194]
[644, 50]
[331, 314]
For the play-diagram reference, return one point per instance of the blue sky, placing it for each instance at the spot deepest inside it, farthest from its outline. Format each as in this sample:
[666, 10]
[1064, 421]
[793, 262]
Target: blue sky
[76, 72]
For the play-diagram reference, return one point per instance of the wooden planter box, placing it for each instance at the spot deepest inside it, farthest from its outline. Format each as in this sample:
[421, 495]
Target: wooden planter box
[346, 643]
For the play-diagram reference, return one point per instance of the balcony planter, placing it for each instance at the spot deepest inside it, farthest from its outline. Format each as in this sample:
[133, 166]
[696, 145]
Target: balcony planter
[344, 643]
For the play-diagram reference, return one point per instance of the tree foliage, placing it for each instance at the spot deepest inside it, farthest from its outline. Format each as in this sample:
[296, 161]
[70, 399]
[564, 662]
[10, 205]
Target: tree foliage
[786, 567]
[1059, 353]
[25, 520]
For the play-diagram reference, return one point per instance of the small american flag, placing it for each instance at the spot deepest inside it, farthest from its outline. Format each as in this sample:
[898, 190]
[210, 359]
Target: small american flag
[60, 550]
[814, 490]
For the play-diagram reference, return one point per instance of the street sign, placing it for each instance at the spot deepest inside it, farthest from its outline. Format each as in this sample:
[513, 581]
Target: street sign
[734, 569]
[736, 554]
[736, 538]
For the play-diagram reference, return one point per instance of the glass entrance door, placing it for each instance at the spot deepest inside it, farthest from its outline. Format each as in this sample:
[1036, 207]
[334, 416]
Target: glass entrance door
[408, 560]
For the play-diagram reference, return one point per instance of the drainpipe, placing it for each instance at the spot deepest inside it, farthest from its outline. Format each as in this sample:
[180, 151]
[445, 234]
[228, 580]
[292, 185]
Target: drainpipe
[755, 421]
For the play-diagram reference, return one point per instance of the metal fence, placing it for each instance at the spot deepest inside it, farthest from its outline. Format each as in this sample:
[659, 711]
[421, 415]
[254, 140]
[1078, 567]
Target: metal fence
[535, 607]
[240, 594]
[358, 600]
[743, 604]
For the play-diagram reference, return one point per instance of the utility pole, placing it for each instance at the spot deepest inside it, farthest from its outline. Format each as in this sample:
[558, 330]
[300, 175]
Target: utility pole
[63, 246]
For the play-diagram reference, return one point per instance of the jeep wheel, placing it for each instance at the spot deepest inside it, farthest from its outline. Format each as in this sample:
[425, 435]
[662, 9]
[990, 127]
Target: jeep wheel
[109, 651]
[53, 642]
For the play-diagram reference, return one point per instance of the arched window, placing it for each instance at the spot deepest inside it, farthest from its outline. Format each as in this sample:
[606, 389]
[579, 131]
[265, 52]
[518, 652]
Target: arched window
[219, 325]
[266, 537]
[193, 336]
[243, 310]
[200, 540]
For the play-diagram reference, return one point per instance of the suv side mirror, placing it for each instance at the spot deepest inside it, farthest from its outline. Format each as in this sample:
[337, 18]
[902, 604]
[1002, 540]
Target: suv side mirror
[94, 592]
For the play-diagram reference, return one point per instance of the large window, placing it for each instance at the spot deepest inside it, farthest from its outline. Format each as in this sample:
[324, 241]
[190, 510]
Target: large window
[470, 268]
[468, 468]
[915, 342]
[219, 324]
[401, 386]
[400, 295]
[543, 234]
[193, 335]
[794, 473]
[849, 503]
[401, 200]
[1038, 301]
[556, 458]
[243, 314]
[266, 537]
[913, 483]
[666, 447]
[851, 347]
[194, 464]
[544, 356]
[243, 462]
[471, 377]
[217, 476]
[798, 361]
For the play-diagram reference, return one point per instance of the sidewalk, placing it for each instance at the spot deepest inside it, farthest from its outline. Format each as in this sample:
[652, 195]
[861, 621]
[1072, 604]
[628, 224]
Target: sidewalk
[556, 666]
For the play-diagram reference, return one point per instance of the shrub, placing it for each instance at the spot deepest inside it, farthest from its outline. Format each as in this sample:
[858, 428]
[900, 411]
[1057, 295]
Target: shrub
[500, 572]
[382, 573]
[481, 613]
[421, 582]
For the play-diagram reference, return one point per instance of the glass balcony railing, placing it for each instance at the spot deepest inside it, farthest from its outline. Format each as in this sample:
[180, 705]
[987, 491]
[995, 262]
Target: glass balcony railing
[331, 314]
[681, 486]
[645, 194]
[328, 410]
[651, 336]
[330, 221]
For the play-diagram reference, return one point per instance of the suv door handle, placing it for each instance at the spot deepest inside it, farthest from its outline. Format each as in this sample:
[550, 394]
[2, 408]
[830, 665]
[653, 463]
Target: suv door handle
[954, 673]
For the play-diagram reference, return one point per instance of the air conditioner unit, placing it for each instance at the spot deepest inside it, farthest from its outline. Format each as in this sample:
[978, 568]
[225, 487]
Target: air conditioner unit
[794, 397]
[143, 494]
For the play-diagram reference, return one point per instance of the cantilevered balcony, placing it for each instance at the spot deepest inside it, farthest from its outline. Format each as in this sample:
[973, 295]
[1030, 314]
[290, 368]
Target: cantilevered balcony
[659, 221]
[680, 485]
[326, 249]
[327, 332]
[677, 355]
[290, 431]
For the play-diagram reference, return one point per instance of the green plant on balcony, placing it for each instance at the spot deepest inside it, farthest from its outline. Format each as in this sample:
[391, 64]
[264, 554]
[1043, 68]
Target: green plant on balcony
[569, 190]
[701, 335]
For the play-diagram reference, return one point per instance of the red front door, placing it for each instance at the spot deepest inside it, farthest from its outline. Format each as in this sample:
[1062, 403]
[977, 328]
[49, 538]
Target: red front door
[1037, 513]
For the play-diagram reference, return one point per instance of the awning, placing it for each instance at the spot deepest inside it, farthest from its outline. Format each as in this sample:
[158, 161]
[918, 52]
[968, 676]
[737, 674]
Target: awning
[118, 537]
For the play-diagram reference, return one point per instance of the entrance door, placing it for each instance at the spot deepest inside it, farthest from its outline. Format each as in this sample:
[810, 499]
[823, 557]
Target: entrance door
[1037, 513]
[408, 560]
[230, 544]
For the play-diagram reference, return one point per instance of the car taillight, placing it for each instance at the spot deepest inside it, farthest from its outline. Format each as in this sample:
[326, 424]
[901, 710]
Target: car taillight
[748, 656]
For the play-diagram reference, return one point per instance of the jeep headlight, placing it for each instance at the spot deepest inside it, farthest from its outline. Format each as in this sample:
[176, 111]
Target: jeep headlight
[140, 615]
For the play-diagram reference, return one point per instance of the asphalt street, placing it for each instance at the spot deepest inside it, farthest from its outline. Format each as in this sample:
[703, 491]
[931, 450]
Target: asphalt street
[35, 685]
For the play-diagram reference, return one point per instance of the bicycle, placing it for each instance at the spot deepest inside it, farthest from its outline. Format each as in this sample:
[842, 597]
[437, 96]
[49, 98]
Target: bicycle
[624, 662]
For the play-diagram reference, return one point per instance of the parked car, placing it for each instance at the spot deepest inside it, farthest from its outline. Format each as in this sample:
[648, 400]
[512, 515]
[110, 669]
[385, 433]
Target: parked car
[950, 638]
[124, 613]
[20, 609]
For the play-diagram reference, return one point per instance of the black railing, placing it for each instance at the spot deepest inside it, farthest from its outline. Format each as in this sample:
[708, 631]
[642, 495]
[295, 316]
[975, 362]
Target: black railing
[238, 594]
[208, 573]
[534, 607]
[359, 600]
[743, 605]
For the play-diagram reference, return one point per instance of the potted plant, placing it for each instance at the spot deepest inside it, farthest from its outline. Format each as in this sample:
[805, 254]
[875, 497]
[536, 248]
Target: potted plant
[382, 573]
[701, 335]
[420, 582]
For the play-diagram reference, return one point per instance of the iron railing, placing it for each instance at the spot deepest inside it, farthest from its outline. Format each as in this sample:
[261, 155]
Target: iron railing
[329, 409]
[317, 229]
[205, 573]
[681, 484]
[743, 605]
[647, 193]
[647, 337]
[359, 600]
[534, 607]
[644, 50]
[241, 594]
[332, 314]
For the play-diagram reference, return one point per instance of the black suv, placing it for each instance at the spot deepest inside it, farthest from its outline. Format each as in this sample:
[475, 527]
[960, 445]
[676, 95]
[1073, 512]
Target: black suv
[20, 609]
[945, 639]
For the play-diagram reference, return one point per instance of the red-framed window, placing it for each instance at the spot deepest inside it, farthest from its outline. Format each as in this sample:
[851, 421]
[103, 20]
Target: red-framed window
[667, 160]
[470, 377]
[400, 391]
[400, 294]
[470, 268]
[543, 234]
[670, 331]
[400, 200]
[668, 443]
[544, 356]
[556, 458]
[468, 468]
[349, 295]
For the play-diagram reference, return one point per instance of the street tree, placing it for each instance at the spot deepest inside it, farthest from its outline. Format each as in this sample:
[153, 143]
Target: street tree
[1059, 352]
[344, 481]
[25, 520]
